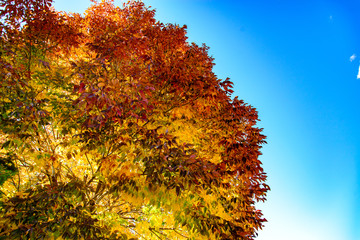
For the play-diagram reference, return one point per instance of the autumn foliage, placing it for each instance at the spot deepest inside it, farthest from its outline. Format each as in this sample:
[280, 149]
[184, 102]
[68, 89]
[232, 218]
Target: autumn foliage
[113, 126]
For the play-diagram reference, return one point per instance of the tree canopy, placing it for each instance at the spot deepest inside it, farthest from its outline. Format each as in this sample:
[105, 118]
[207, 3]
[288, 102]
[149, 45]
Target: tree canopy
[113, 126]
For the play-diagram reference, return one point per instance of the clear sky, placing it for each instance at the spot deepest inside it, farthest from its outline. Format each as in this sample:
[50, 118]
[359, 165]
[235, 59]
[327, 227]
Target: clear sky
[297, 62]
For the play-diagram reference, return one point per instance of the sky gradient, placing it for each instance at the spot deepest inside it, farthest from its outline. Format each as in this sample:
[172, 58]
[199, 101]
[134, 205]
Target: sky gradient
[297, 62]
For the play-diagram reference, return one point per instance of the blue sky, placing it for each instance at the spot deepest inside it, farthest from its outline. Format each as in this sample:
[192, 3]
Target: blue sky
[296, 62]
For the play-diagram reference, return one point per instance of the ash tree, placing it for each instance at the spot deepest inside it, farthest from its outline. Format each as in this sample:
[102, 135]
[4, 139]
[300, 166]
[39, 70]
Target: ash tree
[113, 126]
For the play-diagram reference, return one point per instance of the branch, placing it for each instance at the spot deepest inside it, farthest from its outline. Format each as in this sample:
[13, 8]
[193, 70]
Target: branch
[173, 229]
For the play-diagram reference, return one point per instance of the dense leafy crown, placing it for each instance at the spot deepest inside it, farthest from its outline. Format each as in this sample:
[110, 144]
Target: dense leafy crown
[113, 126]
